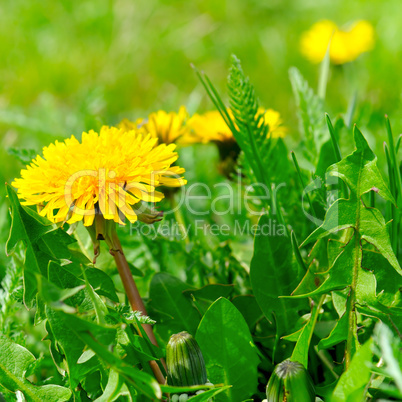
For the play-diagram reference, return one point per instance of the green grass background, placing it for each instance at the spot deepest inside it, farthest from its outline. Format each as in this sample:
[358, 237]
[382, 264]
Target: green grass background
[68, 66]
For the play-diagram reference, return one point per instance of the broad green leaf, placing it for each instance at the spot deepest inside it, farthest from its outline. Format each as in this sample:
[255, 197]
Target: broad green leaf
[166, 294]
[248, 306]
[273, 273]
[208, 294]
[211, 292]
[352, 386]
[229, 353]
[14, 363]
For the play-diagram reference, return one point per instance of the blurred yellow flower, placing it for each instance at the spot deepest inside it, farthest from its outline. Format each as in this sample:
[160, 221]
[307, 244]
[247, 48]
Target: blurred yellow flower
[345, 45]
[168, 127]
[275, 123]
[210, 126]
[106, 173]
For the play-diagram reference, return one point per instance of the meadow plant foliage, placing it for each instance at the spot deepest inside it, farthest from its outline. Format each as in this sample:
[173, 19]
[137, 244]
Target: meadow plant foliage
[279, 268]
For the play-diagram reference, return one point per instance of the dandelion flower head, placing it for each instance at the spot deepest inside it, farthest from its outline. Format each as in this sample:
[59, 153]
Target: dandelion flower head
[211, 127]
[167, 127]
[109, 172]
[345, 45]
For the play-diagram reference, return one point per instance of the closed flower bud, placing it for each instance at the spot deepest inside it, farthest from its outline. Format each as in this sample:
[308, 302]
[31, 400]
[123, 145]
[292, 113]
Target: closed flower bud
[290, 382]
[184, 360]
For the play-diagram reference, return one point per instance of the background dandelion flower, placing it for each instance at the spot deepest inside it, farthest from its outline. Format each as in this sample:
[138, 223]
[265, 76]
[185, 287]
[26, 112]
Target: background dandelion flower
[210, 126]
[167, 127]
[111, 171]
[346, 45]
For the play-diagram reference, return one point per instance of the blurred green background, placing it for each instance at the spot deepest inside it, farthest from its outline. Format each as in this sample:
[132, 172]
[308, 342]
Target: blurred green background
[68, 66]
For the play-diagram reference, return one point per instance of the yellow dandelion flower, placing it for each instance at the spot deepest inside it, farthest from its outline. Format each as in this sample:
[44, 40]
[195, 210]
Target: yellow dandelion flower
[109, 172]
[168, 127]
[128, 125]
[345, 45]
[275, 123]
[210, 126]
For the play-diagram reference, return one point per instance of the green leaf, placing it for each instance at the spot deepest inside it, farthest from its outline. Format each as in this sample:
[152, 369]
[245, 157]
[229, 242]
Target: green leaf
[203, 297]
[311, 114]
[248, 306]
[274, 273]
[364, 224]
[359, 170]
[211, 292]
[251, 132]
[229, 353]
[102, 283]
[352, 386]
[54, 296]
[205, 396]
[71, 347]
[99, 338]
[112, 389]
[338, 334]
[27, 226]
[300, 352]
[14, 363]
[166, 294]
[143, 382]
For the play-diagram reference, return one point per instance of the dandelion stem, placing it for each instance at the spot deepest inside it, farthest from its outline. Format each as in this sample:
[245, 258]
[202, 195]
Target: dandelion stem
[109, 233]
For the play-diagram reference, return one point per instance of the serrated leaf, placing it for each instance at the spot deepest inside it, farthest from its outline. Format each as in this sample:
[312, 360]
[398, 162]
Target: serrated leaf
[311, 114]
[27, 226]
[338, 334]
[363, 224]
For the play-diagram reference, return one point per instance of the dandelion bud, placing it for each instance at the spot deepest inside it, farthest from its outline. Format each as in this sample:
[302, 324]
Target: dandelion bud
[290, 382]
[184, 360]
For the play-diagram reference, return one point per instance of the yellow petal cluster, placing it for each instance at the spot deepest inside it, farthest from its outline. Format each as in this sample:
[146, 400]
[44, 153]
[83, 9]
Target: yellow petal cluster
[210, 126]
[167, 127]
[107, 172]
[345, 45]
